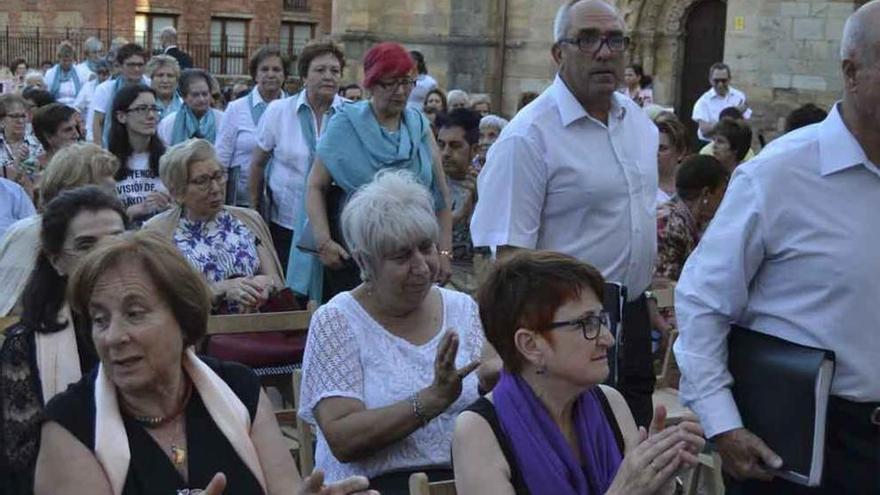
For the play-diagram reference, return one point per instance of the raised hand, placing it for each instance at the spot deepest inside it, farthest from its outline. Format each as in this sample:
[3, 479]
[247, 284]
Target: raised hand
[447, 379]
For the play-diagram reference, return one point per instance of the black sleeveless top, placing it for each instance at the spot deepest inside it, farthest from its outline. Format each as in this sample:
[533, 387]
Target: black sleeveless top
[486, 410]
[150, 470]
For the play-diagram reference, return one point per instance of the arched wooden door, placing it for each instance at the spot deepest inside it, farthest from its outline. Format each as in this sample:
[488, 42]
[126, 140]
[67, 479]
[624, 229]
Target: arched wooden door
[704, 45]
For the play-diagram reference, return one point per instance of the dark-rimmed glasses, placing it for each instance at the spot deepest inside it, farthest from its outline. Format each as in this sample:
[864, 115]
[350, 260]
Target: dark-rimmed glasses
[395, 85]
[590, 324]
[203, 182]
[591, 42]
[145, 109]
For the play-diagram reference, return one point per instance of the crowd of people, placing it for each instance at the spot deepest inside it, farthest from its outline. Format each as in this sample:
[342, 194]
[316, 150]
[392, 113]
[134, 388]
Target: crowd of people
[457, 259]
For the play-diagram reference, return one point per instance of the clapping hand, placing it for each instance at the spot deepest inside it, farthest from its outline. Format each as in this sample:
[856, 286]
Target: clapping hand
[314, 485]
[660, 454]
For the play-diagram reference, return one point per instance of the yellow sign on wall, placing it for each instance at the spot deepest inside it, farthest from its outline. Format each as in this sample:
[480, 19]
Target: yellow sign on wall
[739, 23]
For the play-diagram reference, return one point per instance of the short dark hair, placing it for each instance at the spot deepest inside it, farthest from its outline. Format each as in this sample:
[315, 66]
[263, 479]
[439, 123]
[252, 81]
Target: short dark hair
[40, 97]
[803, 116]
[188, 76]
[720, 66]
[15, 63]
[176, 281]
[130, 50]
[698, 172]
[644, 81]
[525, 291]
[48, 119]
[43, 295]
[419, 59]
[262, 54]
[344, 89]
[525, 98]
[731, 113]
[315, 50]
[468, 120]
[738, 133]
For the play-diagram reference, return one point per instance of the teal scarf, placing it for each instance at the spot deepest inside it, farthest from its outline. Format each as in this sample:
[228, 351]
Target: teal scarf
[174, 106]
[305, 274]
[62, 76]
[354, 148]
[187, 126]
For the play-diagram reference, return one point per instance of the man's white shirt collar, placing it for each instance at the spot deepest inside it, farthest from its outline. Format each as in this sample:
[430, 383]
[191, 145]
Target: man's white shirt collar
[838, 148]
[571, 110]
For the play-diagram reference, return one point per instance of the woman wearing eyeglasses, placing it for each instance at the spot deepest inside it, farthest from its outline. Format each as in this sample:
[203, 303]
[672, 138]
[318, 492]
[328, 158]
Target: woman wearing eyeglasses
[230, 246]
[133, 140]
[17, 146]
[362, 139]
[548, 426]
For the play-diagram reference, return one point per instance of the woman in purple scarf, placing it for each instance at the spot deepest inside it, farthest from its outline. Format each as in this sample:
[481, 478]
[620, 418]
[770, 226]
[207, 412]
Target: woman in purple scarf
[547, 428]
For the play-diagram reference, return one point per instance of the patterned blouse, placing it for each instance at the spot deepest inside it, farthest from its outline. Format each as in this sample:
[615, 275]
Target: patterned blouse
[221, 248]
[677, 235]
[35, 150]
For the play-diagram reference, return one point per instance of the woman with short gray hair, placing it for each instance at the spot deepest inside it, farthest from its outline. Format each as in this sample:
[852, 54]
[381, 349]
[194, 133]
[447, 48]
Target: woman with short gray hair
[65, 80]
[230, 246]
[388, 365]
[490, 128]
[457, 98]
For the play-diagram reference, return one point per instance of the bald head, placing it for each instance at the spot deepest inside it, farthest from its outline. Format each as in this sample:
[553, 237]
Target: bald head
[861, 37]
[563, 15]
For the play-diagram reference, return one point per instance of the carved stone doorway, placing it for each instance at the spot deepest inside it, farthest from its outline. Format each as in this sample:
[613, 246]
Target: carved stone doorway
[704, 45]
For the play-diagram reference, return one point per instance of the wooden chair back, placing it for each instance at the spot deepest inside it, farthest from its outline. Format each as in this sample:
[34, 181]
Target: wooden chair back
[259, 322]
[419, 485]
[666, 299]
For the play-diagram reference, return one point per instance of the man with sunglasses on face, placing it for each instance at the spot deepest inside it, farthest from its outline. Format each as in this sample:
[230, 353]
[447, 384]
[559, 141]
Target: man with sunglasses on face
[576, 172]
[721, 95]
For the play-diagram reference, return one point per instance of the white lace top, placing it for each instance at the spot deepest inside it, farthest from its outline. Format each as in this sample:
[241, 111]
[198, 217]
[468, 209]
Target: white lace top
[348, 354]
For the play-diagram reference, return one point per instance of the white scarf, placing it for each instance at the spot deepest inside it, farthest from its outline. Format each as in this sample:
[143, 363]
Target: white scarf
[228, 412]
[58, 358]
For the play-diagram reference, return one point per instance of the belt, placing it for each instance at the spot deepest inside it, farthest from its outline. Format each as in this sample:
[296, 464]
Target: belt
[868, 412]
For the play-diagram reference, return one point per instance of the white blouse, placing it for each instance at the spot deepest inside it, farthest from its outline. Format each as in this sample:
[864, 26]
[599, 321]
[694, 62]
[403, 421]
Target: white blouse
[348, 354]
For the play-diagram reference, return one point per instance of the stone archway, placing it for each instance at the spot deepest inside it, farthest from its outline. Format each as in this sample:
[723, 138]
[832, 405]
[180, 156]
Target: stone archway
[658, 32]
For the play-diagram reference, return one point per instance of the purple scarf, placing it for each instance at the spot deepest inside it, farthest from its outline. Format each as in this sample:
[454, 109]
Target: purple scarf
[543, 455]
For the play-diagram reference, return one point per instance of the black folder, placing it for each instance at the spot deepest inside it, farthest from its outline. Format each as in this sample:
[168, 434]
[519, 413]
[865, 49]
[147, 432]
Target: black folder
[781, 390]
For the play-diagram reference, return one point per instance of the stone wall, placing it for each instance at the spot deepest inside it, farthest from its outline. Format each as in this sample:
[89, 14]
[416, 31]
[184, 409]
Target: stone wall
[785, 55]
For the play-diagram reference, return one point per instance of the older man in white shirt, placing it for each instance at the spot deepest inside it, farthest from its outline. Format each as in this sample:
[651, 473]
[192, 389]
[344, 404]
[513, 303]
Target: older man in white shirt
[576, 172]
[792, 252]
[707, 109]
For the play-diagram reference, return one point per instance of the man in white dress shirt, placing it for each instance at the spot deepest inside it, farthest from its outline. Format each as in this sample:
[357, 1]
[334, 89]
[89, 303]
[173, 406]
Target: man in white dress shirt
[576, 172]
[792, 252]
[721, 95]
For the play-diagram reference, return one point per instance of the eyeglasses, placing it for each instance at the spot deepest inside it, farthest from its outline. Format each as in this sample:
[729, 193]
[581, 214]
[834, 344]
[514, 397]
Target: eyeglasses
[203, 182]
[592, 41]
[145, 109]
[395, 85]
[133, 65]
[590, 325]
[16, 116]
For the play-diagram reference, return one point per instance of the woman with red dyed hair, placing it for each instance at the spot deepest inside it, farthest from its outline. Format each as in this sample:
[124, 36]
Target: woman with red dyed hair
[360, 140]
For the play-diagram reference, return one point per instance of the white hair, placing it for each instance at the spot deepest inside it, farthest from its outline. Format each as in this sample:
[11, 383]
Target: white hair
[493, 121]
[563, 18]
[481, 98]
[859, 33]
[457, 96]
[386, 215]
[93, 44]
[32, 75]
[168, 33]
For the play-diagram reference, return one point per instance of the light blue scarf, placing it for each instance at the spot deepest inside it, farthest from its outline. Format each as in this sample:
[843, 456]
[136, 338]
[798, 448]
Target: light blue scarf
[354, 148]
[174, 106]
[62, 76]
[187, 126]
